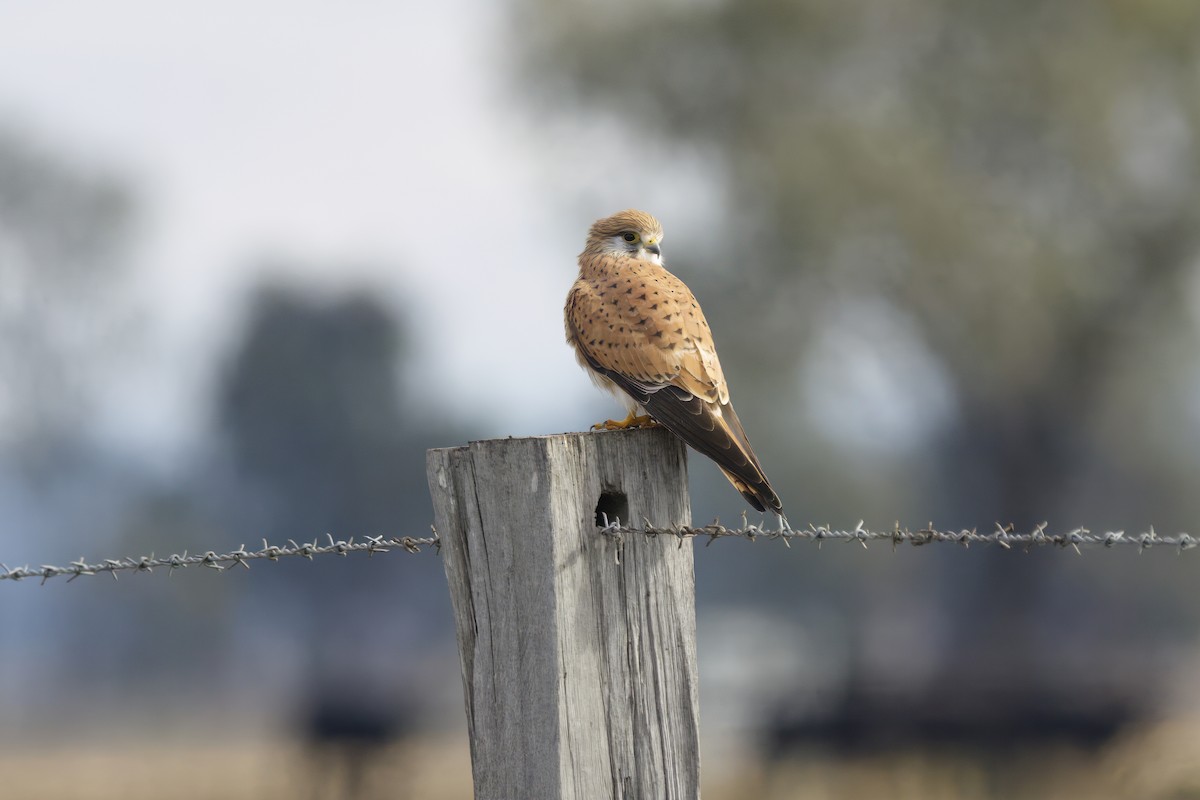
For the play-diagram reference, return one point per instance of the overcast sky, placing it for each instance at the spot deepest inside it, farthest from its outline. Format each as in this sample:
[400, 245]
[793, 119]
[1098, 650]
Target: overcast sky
[383, 136]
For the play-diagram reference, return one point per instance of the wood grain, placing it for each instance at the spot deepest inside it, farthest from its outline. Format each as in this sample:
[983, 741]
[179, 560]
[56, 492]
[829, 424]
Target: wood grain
[578, 650]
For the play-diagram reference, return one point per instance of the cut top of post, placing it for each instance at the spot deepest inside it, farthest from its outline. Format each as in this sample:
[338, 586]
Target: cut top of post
[578, 649]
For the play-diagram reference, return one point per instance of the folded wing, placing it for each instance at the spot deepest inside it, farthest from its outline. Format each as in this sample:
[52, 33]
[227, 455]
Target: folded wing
[647, 335]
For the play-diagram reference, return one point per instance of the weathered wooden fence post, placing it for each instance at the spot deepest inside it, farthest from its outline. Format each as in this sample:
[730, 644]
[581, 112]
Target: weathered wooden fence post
[578, 650]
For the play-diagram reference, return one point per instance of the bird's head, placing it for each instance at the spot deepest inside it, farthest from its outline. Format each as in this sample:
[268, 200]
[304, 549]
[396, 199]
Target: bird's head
[631, 232]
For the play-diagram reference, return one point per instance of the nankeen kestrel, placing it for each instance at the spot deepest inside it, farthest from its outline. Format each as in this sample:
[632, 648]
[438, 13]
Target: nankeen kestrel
[639, 332]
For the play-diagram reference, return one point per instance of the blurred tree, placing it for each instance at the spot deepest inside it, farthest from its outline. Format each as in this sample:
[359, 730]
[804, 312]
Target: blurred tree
[1013, 186]
[62, 232]
[312, 415]
[321, 437]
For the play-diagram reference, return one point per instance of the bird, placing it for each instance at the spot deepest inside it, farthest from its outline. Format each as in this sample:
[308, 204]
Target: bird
[639, 333]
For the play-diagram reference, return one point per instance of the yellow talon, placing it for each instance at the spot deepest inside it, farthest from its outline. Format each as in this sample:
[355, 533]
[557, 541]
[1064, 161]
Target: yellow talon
[644, 421]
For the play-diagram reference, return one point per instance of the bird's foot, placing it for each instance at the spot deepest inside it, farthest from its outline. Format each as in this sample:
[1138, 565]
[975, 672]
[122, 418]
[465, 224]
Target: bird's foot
[632, 421]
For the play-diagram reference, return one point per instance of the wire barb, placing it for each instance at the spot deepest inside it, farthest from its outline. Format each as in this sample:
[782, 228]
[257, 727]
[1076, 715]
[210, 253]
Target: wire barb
[219, 561]
[1004, 536]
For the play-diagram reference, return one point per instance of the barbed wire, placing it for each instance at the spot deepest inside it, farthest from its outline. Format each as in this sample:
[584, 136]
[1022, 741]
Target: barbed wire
[222, 561]
[1004, 536]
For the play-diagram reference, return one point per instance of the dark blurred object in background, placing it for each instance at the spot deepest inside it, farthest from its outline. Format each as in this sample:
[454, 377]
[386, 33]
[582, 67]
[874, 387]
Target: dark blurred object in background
[347, 736]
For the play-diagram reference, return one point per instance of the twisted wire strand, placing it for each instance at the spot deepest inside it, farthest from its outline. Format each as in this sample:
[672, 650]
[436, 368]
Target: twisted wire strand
[1004, 536]
[222, 561]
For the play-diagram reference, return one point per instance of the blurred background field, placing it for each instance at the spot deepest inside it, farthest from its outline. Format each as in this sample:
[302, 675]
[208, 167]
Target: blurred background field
[255, 258]
[1157, 763]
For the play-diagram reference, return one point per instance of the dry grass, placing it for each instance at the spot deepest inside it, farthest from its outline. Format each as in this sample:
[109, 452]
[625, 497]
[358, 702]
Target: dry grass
[1159, 763]
[128, 769]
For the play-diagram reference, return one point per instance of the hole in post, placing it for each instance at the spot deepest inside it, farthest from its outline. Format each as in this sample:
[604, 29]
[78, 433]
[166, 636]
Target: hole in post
[615, 505]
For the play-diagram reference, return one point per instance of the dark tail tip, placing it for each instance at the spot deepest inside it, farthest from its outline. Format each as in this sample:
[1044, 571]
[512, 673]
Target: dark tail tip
[753, 500]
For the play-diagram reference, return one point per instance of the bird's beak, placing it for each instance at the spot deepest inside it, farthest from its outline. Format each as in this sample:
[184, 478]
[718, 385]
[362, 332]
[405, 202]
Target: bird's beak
[654, 248]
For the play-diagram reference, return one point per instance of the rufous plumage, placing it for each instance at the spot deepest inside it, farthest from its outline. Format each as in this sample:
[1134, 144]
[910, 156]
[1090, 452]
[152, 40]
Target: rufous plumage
[639, 332]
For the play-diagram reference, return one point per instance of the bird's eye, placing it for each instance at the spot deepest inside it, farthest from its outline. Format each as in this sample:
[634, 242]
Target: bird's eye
[629, 236]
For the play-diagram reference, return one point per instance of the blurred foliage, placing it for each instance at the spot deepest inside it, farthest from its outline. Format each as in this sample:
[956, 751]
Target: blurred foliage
[63, 229]
[1015, 183]
[311, 412]
[991, 211]
[319, 436]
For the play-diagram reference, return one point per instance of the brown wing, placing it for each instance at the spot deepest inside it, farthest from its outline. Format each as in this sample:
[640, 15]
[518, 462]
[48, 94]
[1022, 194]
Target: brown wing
[642, 328]
[713, 430]
[637, 319]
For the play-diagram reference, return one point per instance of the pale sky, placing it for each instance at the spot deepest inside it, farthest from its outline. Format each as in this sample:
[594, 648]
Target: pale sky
[370, 142]
[386, 135]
